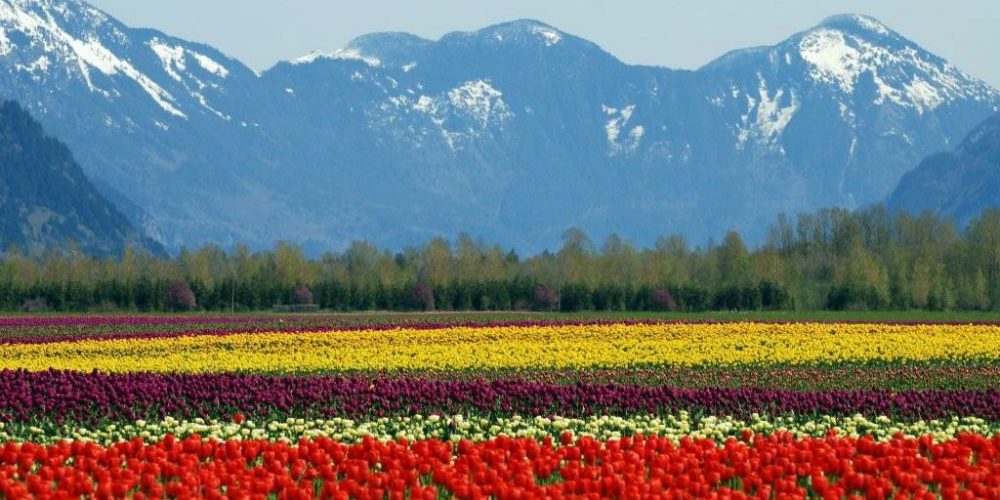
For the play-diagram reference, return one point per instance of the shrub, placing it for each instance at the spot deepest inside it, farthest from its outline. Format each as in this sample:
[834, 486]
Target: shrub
[544, 299]
[180, 297]
[421, 297]
[660, 299]
[37, 304]
[301, 296]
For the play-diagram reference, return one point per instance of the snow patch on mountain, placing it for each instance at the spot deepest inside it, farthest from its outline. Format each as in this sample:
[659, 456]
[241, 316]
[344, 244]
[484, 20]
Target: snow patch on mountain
[210, 65]
[549, 35]
[771, 115]
[458, 116]
[204, 103]
[88, 53]
[96, 55]
[172, 57]
[40, 65]
[847, 114]
[870, 24]
[343, 54]
[174, 61]
[923, 95]
[887, 92]
[309, 58]
[635, 137]
[424, 104]
[6, 46]
[772, 118]
[480, 101]
[833, 59]
[903, 74]
[617, 122]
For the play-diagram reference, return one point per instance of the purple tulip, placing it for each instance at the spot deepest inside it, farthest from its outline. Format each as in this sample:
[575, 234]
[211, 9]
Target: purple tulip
[91, 397]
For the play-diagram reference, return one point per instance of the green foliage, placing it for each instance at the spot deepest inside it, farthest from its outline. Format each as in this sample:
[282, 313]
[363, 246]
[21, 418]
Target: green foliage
[832, 259]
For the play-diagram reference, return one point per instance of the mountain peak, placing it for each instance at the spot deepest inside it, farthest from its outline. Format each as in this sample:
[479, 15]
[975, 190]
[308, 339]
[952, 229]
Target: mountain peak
[392, 48]
[846, 49]
[24, 10]
[523, 31]
[387, 39]
[523, 24]
[352, 54]
[46, 3]
[856, 23]
[70, 42]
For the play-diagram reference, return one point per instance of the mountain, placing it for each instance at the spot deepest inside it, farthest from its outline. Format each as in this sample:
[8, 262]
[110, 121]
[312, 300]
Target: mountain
[959, 184]
[144, 113]
[840, 112]
[513, 132]
[45, 199]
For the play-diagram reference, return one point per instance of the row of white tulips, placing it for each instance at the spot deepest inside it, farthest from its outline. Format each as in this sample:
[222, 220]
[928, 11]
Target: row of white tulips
[460, 427]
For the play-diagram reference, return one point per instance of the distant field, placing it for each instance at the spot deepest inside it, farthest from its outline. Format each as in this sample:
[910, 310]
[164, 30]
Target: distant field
[867, 316]
[391, 317]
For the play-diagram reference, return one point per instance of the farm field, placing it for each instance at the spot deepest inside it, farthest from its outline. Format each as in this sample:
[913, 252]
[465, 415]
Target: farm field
[506, 405]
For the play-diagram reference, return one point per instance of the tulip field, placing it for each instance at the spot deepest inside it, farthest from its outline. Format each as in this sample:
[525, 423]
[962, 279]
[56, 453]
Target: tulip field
[503, 407]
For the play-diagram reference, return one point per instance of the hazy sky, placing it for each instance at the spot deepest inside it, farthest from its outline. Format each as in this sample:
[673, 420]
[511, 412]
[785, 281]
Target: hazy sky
[679, 33]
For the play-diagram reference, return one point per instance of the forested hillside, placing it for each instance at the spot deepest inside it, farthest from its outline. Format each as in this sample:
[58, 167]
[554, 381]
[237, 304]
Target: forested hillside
[959, 183]
[46, 201]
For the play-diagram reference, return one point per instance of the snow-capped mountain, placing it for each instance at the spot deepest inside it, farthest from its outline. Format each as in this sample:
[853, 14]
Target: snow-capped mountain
[853, 91]
[52, 47]
[513, 132]
[141, 110]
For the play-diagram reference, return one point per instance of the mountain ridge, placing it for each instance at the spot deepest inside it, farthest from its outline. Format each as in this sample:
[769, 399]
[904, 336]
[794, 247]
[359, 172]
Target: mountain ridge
[513, 132]
[960, 183]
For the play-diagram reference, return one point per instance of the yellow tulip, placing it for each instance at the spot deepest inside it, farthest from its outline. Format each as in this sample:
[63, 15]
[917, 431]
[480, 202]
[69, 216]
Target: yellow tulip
[524, 347]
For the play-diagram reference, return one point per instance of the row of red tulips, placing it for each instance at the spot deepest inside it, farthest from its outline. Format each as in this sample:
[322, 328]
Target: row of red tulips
[774, 466]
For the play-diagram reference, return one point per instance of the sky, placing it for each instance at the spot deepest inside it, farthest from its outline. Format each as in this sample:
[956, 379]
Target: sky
[676, 34]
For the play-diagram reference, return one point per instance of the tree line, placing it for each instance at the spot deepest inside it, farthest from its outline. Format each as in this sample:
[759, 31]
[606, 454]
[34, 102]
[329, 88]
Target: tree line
[868, 259]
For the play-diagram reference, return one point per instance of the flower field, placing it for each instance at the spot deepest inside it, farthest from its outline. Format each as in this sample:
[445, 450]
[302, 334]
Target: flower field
[273, 407]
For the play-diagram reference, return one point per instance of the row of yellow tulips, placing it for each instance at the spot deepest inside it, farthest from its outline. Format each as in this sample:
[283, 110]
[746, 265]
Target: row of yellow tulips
[564, 346]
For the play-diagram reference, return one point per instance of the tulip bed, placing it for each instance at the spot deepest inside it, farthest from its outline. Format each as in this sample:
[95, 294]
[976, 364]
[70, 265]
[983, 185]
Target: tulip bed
[286, 407]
